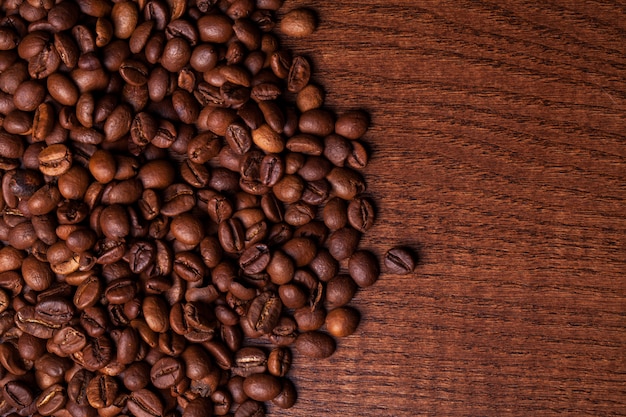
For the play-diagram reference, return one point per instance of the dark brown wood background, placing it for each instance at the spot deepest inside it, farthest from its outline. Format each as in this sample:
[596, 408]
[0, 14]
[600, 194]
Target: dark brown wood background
[498, 145]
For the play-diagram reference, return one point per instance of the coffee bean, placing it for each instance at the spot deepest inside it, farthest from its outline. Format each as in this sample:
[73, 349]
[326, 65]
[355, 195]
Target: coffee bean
[299, 75]
[264, 312]
[250, 408]
[255, 259]
[399, 261]
[352, 124]
[101, 391]
[345, 183]
[262, 387]
[55, 160]
[268, 139]
[343, 242]
[136, 376]
[51, 400]
[145, 403]
[315, 344]
[11, 360]
[339, 291]
[279, 361]
[310, 97]
[363, 267]
[199, 407]
[359, 157]
[166, 372]
[155, 311]
[361, 214]
[299, 23]
[18, 394]
[249, 360]
[342, 321]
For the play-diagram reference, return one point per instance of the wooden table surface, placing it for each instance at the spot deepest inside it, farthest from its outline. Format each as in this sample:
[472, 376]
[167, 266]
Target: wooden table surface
[498, 153]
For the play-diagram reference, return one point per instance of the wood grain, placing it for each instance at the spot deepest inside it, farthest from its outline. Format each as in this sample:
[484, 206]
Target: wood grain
[499, 154]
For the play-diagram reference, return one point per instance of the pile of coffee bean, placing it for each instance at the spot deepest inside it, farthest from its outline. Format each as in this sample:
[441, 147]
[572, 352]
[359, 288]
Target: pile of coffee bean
[178, 208]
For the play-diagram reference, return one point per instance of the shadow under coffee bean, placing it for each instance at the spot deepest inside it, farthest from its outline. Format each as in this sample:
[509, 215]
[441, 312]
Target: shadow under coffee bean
[175, 205]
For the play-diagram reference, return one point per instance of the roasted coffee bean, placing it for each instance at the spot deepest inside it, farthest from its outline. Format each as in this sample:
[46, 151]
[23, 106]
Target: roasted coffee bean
[310, 317]
[166, 372]
[399, 261]
[155, 312]
[249, 361]
[250, 408]
[51, 400]
[27, 320]
[262, 387]
[363, 267]
[287, 396]
[18, 394]
[268, 139]
[299, 75]
[361, 214]
[279, 361]
[145, 403]
[97, 353]
[264, 312]
[352, 124]
[339, 291]
[231, 235]
[55, 160]
[54, 311]
[136, 376]
[255, 259]
[114, 222]
[69, 340]
[359, 157]
[315, 344]
[293, 295]
[30, 347]
[298, 23]
[342, 321]
[289, 189]
[199, 407]
[301, 249]
[10, 359]
[343, 242]
[101, 391]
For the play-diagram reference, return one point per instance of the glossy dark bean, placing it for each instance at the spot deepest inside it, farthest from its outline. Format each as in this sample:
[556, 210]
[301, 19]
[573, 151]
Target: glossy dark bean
[279, 361]
[315, 344]
[166, 372]
[264, 312]
[361, 214]
[262, 387]
[101, 391]
[18, 394]
[145, 403]
[343, 242]
[249, 361]
[399, 261]
[363, 267]
[339, 291]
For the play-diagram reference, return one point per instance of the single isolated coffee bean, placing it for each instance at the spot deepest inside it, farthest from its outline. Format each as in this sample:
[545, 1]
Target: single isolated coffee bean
[399, 261]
